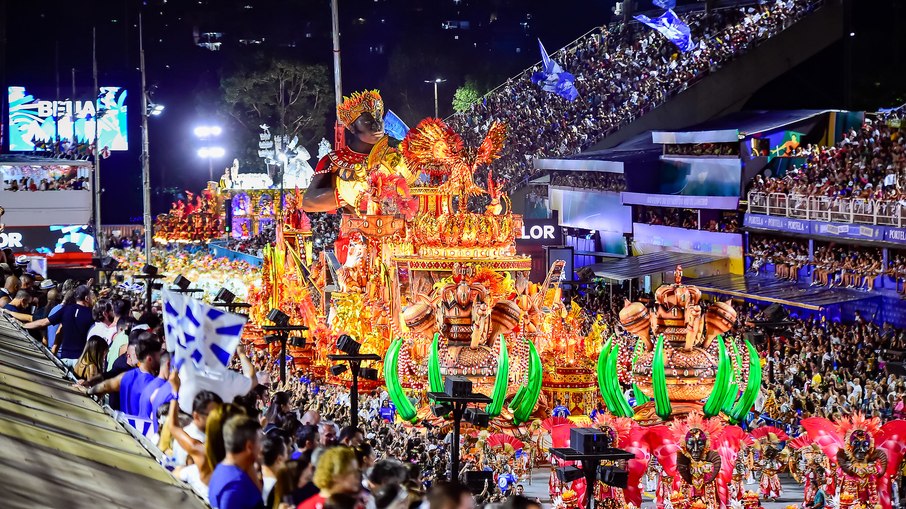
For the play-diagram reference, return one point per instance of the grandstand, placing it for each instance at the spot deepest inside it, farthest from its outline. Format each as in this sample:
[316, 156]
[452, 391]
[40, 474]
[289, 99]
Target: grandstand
[835, 215]
[631, 80]
[61, 449]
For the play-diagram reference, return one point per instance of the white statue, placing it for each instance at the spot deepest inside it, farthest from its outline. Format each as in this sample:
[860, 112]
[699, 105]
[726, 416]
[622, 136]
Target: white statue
[323, 148]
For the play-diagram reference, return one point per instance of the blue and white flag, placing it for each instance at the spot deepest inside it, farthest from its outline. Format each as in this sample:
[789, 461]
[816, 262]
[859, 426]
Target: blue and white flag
[552, 77]
[664, 4]
[199, 333]
[672, 28]
[394, 126]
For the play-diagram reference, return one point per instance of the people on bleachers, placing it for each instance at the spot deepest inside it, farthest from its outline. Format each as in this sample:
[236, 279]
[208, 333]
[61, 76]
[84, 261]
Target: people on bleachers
[787, 255]
[622, 72]
[869, 163]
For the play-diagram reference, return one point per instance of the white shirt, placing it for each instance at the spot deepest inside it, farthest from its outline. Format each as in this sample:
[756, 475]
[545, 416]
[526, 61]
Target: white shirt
[226, 384]
[267, 485]
[103, 330]
[180, 456]
[192, 477]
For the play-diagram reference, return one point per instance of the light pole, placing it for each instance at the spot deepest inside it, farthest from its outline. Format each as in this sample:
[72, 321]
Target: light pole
[146, 167]
[205, 133]
[436, 82]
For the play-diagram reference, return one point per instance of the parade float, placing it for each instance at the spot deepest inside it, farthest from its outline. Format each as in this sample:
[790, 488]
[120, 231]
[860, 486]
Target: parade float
[681, 362]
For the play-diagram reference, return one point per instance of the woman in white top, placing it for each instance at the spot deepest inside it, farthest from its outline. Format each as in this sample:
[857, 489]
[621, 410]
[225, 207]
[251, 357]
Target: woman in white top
[273, 451]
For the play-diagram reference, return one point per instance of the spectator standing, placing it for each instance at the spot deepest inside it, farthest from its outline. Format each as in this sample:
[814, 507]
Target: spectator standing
[131, 383]
[337, 471]
[234, 483]
[104, 320]
[76, 318]
[92, 362]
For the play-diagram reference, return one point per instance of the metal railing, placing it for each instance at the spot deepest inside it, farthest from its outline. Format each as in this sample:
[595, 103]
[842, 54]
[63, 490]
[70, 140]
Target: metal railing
[828, 209]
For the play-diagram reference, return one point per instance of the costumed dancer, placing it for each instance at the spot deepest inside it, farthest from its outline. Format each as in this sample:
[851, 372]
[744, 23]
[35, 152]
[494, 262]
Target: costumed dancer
[699, 455]
[741, 468]
[864, 454]
[769, 443]
[804, 461]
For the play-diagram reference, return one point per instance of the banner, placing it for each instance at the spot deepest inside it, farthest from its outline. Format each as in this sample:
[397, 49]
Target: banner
[679, 201]
[394, 126]
[842, 230]
[553, 78]
[672, 28]
[201, 334]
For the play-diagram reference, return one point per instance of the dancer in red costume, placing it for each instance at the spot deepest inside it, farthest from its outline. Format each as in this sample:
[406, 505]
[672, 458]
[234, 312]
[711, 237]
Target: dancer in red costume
[699, 455]
[864, 456]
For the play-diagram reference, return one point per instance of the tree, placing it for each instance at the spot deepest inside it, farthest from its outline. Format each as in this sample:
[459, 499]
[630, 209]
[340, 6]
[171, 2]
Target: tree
[466, 95]
[292, 98]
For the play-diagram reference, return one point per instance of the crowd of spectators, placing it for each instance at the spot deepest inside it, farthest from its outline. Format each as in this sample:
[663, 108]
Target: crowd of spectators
[255, 244]
[118, 240]
[832, 265]
[725, 224]
[325, 228]
[667, 216]
[788, 256]
[622, 72]
[830, 369]
[868, 163]
[597, 180]
[59, 183]
[245, 440]
[847, 266]
[702, 149]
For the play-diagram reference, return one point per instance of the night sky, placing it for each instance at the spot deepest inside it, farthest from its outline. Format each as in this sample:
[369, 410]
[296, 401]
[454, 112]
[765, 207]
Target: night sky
[389, 44]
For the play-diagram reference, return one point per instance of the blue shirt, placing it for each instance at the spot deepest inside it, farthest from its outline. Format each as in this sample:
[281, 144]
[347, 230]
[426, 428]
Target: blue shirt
[231, 488]
[145, 409]
[131, 386]
[386, 413]
[560, 411]
[52, 330]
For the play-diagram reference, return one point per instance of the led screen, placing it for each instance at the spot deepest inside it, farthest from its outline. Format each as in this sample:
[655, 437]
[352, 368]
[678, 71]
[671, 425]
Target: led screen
[35, 122]
[699, 176]
[592, 210]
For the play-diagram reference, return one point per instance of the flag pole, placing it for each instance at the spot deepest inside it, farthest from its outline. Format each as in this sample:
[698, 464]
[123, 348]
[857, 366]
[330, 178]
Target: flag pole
[339, 140]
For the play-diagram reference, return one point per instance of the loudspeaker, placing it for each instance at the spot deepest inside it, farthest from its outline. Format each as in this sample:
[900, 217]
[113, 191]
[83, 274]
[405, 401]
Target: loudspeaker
[756, 337]
[182, 282]
[569, 474]
[776, 313]
[475, 480]
[478, 418]
[613, 476]
[347, 345]
[457, 386]
[589, 440]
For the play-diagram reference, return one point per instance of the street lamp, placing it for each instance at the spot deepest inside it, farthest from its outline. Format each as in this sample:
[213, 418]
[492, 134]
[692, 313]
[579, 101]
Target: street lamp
[436, 81]
[205, 133]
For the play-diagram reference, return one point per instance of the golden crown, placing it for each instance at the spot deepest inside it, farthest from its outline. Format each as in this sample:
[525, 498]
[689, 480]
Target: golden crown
[360, 102]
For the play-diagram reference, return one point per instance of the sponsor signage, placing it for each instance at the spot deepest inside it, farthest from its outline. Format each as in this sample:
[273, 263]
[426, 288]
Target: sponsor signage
[808, 227]
[48, 240]
[680, 201]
